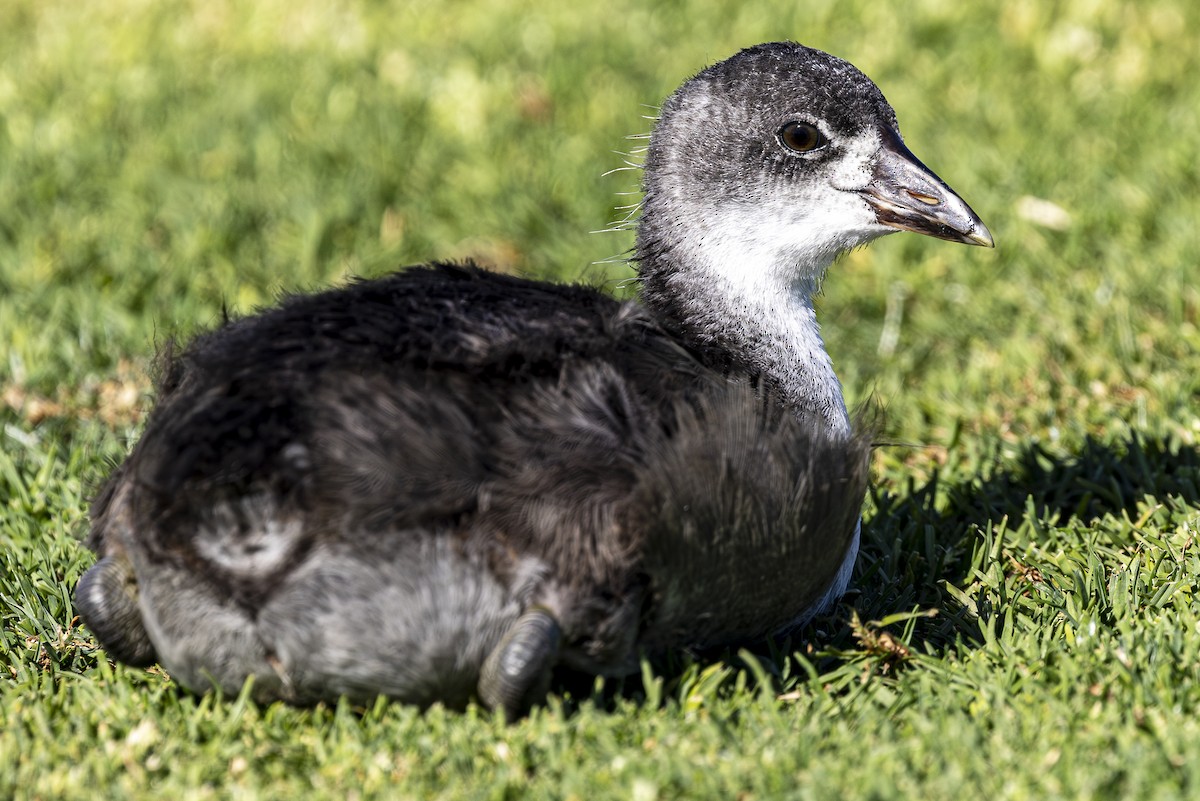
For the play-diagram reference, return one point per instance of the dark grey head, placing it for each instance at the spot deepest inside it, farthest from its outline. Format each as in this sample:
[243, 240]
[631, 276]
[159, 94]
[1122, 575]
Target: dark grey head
[777, 160]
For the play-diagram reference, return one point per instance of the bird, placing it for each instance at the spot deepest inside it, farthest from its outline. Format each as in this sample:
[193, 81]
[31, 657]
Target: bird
[443, 484]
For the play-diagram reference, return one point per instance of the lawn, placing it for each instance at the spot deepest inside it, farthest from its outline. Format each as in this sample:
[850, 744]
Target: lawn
[1024, 621]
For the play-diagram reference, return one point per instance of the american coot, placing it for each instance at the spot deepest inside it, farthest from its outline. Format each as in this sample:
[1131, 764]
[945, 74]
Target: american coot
[443, 483]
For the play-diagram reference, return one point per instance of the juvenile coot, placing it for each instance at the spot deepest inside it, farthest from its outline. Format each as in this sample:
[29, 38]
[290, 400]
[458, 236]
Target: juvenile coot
[441, 484]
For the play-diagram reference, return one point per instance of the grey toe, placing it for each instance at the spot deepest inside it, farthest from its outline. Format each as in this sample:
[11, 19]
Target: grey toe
[516, 675]
[106, 599]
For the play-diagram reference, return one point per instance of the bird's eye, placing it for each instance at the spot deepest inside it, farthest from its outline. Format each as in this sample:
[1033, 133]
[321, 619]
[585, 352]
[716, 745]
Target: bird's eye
[802, 137]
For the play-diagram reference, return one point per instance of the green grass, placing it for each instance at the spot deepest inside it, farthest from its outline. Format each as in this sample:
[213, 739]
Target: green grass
[163, 161]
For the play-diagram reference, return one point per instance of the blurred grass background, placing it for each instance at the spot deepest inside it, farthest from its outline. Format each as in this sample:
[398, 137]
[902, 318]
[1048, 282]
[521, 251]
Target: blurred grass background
[161, 161]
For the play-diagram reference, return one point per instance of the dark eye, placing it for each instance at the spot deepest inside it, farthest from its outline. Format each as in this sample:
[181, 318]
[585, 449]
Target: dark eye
[802, 137]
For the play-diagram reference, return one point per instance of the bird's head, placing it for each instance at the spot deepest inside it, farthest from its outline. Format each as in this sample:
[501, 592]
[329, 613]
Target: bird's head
[780, 158]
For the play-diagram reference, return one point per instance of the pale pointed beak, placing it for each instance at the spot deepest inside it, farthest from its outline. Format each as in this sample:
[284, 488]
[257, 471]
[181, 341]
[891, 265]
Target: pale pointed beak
[908, 196]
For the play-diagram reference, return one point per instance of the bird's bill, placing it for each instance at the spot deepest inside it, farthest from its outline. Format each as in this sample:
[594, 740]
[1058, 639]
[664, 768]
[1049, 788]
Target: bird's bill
[909, 196]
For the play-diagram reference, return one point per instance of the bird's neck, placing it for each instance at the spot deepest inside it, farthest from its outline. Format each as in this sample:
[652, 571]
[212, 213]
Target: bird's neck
[749, 317]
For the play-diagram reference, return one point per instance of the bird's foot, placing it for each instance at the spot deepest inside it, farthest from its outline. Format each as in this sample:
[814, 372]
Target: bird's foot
[106, 599]
[516, 675]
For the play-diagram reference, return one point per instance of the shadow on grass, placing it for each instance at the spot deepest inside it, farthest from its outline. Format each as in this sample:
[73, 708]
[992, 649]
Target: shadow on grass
[924, 537]
[919, 540]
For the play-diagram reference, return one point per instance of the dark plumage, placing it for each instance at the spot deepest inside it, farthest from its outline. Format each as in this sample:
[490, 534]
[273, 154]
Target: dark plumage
[442, 483]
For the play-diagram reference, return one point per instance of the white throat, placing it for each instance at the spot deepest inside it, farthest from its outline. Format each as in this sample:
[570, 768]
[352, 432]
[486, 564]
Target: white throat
[753, 274]
[775, 330]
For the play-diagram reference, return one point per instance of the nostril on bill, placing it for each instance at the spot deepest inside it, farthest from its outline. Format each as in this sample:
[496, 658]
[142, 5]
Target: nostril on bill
[928, 200]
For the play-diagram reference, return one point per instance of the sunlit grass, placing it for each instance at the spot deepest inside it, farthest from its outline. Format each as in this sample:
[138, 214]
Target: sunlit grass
[162, 162]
